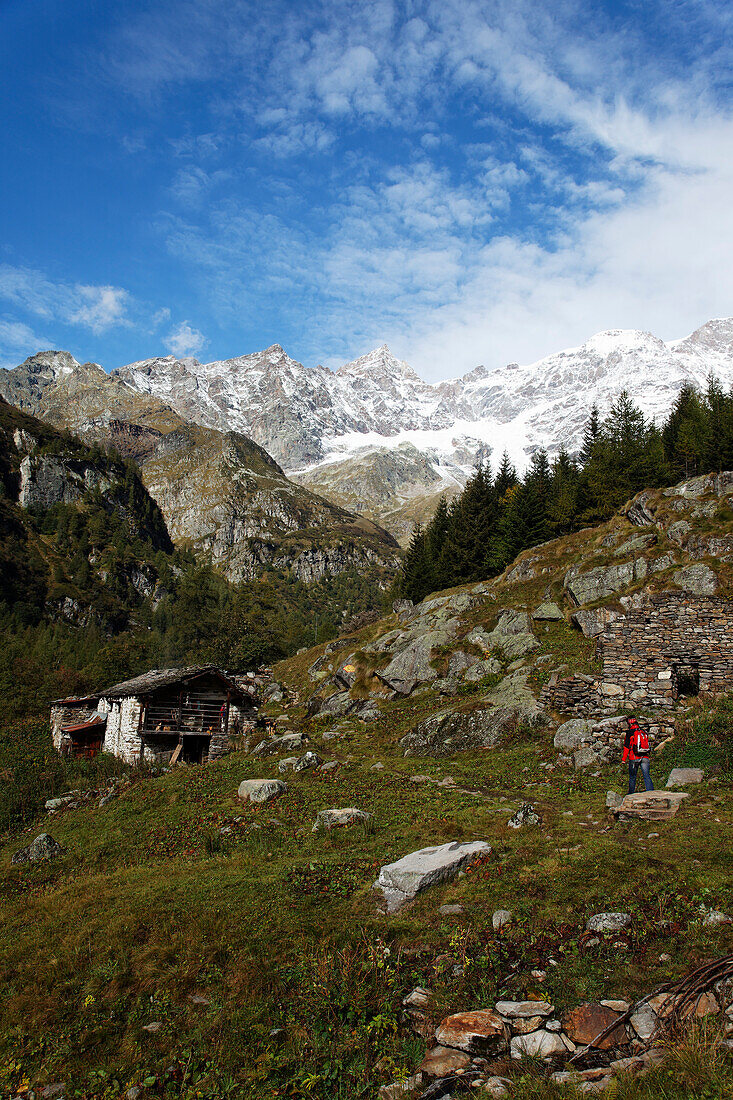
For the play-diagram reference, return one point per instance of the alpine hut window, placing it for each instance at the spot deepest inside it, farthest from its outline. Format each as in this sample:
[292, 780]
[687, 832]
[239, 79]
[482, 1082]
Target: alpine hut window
[687, 679]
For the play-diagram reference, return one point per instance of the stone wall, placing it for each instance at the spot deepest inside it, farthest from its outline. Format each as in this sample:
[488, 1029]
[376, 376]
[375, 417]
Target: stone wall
[590, 743]
[123, 725]
[662, 637]
[69, 715]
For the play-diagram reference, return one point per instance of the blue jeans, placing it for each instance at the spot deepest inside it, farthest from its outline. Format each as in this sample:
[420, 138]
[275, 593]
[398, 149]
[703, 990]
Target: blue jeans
[633, 769]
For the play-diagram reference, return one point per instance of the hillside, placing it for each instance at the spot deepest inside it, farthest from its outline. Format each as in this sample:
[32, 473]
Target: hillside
[221, 494]
[178, 915]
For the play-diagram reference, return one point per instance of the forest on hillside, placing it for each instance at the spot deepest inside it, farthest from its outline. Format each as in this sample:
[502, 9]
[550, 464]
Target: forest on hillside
[500, 514]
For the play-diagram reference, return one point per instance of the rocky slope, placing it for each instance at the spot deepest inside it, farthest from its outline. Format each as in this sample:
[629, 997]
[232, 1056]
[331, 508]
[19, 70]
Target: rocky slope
[522, 649]
[221, 494]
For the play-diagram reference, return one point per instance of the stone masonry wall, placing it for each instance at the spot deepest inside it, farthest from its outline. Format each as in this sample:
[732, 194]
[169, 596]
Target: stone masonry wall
[123, 722]
[69, 716]
[660, 633]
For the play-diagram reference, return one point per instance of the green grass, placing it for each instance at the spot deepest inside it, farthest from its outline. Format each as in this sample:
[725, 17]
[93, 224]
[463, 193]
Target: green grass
[278, 928]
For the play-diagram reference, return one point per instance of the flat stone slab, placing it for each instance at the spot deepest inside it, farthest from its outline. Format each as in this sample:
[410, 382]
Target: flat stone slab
[481, 1032]
[524, 1009]
[650, 805]
[681, 777]
[260, 790]
[608, 922]
[548, 612]
[539, 1044]
[403, 880]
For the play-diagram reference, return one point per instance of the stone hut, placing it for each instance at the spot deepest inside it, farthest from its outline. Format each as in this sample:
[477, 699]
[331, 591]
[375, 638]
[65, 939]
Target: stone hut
[188, 714]
[665, 645]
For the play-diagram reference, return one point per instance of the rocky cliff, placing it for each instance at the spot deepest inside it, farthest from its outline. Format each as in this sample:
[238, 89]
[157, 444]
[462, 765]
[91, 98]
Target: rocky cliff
[221, 494]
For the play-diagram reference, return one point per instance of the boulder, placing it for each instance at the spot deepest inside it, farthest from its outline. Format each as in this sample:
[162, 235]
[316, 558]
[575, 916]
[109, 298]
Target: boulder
[412, 663]
[42, 848]
[699, 579]
[604, 580]
[539, 1044]
[608, 922]
[260, 790]
[682, 777]
[339, 819]
[593, 621]
[488, 667]
[482, 1032]
[337, 704]
[571, 735]
[403, 880]
[286, 742]
[649, 805]
[548, 612]
[523, 1010]
[460, 662]
[287, 764]
[587, 1021]
[636, 544]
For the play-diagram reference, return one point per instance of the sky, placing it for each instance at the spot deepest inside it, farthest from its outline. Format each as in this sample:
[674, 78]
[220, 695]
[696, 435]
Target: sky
[468, 181]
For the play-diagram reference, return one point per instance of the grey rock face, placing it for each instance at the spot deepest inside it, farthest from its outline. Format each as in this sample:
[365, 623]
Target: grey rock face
[636, 544]
[286, 742]
[604, 580]
[699, 579]
[260, 790]
[401, 881]
[412, 664]
[489, 667]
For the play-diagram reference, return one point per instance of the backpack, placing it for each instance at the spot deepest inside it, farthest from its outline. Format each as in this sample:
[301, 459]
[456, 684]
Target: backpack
[641, 747]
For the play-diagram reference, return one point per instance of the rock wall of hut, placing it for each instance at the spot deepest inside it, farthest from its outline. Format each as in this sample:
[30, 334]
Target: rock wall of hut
[69, 715]
[123, 727]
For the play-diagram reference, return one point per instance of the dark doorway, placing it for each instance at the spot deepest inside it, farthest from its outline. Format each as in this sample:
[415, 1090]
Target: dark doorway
[687, 679]
[195, 749]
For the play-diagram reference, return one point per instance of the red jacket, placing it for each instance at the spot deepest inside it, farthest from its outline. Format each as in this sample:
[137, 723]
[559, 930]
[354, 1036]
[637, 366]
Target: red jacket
[632, 752]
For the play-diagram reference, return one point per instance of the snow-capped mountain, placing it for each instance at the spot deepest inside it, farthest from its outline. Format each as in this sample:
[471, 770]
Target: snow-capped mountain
[375, 436]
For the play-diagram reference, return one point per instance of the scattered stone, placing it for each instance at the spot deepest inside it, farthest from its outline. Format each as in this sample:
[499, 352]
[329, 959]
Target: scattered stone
[54, 1091]
[418, 1001]
[330, 766]
[587, 1021]
[481, 1032]
[682, 777]
[548, 612]
[197, 999]
[524, 1009]
[309, 760]
[377, 767]
[134, 1093]
[286, 742]
[539, 1044]
[153, 1026]
[500, 918]
[450, 910]
[260, 790]
[712, 918]
[287, 764]
[616, 1006]
[403, 880]
[337, 819]
[442, 1061]
[525, 815]
[54, 804]
[613, 799]
[498, 1087]
[608, 922]
[42, 848]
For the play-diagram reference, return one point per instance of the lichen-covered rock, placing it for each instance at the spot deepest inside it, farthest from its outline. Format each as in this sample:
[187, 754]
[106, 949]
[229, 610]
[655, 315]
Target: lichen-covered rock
[698, 579]
[592, 621]
[43, 847]
[480, 725]
[548, 612]
[608, 922]
[681, 777]
[488, 667]
[401, 881]
[412, 664]
[571, 735]
[604, 580]
[525, 815]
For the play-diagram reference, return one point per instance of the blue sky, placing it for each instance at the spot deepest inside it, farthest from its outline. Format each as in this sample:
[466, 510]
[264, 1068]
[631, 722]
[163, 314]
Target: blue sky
[469, 181]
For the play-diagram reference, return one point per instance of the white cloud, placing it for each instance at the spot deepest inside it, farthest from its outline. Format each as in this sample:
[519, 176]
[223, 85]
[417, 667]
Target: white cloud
[184, 340]
[95, 307]
[17, 340]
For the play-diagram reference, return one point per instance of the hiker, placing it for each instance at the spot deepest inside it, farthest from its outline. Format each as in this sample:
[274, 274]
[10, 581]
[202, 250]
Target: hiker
[636, 751]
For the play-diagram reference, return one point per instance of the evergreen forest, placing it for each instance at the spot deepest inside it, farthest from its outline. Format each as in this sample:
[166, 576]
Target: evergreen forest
[499, 514]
